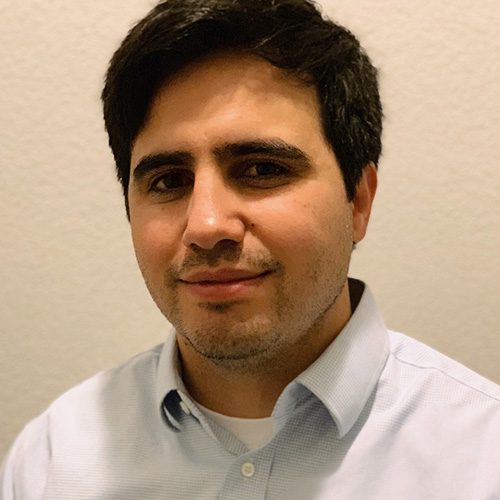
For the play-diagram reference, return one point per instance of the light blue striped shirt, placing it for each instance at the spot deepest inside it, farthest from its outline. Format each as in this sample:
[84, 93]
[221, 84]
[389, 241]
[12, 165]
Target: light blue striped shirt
[377, 416]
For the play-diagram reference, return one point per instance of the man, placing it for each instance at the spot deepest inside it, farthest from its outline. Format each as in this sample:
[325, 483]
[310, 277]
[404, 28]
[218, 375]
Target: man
[246, 135]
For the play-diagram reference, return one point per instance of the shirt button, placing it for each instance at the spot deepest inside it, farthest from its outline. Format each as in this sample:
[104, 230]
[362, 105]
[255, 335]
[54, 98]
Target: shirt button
[185, 408]
[248, 469]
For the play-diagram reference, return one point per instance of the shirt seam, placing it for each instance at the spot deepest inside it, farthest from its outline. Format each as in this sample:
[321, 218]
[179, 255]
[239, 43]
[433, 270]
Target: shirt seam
[435, 368]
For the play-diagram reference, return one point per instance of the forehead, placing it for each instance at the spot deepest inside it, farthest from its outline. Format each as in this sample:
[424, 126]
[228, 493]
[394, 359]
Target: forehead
[229, 96]
[233, 67]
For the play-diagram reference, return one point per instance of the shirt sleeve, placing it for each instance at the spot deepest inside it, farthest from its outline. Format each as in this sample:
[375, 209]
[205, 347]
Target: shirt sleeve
[23, 474]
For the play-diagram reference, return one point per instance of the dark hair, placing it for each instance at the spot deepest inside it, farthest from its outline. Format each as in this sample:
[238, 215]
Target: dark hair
[290, 34]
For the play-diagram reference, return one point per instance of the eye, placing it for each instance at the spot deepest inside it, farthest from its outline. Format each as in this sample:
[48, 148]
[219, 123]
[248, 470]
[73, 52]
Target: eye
[260, 169]
[264, 171]
[172, 181]
[264, 174]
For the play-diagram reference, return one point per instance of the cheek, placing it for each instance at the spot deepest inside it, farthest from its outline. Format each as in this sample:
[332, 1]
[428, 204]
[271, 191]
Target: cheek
[154, 242]
[300, 228]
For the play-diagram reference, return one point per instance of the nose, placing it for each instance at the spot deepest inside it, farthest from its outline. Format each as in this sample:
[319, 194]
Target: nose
[214, 213]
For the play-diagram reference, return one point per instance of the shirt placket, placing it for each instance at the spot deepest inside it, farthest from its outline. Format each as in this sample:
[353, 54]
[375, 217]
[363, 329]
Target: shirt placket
[248, 476]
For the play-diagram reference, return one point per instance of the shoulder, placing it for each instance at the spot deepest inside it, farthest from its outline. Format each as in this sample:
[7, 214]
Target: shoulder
[136, 377]
[113, 400]
[32, 449]
[422, 366]
[120, 398]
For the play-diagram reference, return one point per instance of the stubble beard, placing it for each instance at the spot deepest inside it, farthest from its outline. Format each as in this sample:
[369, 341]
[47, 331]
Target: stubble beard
[254, 345]
[227, 339]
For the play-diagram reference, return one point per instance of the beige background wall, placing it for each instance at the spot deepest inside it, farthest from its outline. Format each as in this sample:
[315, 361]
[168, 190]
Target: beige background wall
[73, 302]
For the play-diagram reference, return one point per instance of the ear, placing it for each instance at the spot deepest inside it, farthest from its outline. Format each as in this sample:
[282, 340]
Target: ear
[362, 202]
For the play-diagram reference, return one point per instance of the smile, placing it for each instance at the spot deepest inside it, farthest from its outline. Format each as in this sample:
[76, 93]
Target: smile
[223, 285]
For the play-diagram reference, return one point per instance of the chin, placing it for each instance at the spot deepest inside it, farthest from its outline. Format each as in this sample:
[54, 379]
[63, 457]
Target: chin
[223, 341]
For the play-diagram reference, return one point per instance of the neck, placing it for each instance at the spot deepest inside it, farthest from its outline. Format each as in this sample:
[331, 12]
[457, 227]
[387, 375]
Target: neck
[240, 390]
[237, 393]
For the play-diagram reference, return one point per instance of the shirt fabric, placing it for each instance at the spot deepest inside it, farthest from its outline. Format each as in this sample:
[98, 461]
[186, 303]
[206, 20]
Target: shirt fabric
[377, 416]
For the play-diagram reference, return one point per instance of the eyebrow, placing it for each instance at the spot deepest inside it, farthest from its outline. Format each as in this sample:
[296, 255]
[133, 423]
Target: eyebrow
[269, 147]
[277, 148]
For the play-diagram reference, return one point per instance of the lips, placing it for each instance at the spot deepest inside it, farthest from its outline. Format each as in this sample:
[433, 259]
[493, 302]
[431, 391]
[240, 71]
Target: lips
[223, 284]
[221, 276]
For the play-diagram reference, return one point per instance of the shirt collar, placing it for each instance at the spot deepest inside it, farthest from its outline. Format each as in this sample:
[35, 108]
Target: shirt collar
[345, 375]
[169, 382]
[174, 401]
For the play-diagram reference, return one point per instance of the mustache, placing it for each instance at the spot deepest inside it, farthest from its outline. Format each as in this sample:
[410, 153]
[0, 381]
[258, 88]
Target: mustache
[223, 251]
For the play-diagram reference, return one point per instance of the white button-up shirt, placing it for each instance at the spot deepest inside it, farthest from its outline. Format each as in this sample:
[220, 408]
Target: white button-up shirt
[377, 416]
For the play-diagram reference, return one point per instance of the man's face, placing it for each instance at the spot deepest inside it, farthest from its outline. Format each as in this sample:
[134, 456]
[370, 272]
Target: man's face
[239, 216]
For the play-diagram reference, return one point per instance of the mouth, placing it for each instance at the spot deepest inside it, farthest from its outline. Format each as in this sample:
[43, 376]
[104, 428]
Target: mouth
[223, 285]
[222, 276]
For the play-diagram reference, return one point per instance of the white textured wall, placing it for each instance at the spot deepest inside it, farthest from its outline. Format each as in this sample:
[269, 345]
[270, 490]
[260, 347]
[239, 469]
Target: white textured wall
[73, 302]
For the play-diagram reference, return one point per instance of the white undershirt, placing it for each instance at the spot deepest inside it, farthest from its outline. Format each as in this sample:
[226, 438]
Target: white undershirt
[252, 432]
